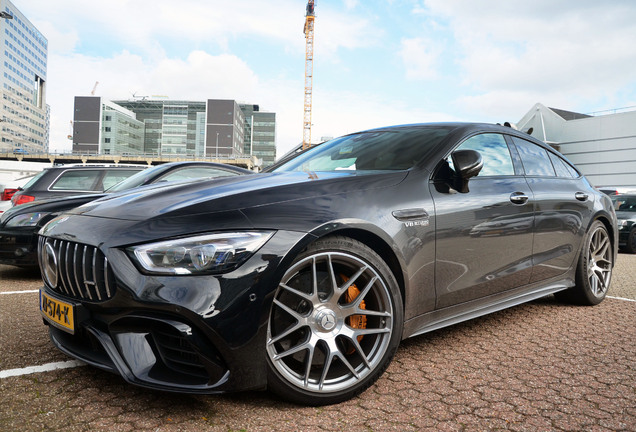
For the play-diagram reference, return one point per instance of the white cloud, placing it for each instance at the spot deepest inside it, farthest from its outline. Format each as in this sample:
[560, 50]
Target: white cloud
[183, 51]
[419, 56]
[543, 49]
[199, 77]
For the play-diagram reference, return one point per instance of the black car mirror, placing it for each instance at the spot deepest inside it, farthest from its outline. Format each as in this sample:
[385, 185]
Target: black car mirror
[467, 164]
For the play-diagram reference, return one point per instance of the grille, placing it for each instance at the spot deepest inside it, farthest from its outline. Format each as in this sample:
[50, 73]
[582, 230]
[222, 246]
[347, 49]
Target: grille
[81, 271]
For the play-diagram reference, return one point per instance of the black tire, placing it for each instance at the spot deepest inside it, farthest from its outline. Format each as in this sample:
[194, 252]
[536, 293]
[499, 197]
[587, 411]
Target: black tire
[325, 342]
[594, 269]
[630, 247]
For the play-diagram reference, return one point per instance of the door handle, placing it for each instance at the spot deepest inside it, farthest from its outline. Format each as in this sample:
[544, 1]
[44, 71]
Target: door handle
[581, 196]
[518, 198]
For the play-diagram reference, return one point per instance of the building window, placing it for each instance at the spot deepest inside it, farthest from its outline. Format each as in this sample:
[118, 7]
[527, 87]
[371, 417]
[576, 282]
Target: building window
[107, 129]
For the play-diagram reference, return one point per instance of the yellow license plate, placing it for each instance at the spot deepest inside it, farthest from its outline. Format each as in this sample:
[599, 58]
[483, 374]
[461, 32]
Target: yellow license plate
[57, 312]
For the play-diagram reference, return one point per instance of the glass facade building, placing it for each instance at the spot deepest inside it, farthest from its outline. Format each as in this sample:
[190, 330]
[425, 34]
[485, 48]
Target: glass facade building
[24, 118]
[122, 133]
[216, 128]
[260, 134]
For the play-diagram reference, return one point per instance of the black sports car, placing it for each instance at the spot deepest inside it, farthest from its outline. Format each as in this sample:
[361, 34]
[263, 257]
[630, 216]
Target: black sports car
[20, 224]
[305, 279]
[625, 206]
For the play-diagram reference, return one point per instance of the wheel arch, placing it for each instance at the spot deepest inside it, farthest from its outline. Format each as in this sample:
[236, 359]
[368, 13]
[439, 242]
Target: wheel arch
[606, 220]
[380, 246]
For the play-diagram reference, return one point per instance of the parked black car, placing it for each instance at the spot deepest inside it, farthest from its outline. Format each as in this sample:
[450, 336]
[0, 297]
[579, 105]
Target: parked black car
[19, 225]
[65, 180]
[625, 206]
[305, 279]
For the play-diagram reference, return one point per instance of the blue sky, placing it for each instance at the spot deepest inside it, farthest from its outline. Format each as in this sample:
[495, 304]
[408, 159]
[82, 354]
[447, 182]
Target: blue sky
[377, 62]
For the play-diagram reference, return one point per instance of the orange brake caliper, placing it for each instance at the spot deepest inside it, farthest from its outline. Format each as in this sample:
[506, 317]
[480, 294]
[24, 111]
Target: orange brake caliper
[355, 321]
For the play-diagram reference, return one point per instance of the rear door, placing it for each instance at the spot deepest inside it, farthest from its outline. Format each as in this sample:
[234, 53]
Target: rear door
[483, 237]
[561, 205]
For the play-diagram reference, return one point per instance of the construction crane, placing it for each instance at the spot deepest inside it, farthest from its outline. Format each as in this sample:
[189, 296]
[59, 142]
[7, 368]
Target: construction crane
[94, 88]
[310, 17]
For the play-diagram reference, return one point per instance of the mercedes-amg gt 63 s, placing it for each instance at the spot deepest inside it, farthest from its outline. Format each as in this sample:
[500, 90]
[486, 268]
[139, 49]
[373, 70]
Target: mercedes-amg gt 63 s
[305, 279]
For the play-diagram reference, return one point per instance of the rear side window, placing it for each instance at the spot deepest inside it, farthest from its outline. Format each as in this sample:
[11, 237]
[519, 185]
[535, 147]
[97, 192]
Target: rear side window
[535, 159]
[113, 177]
[34, 179]
[494, 152]
[562, 168]
[76, 180]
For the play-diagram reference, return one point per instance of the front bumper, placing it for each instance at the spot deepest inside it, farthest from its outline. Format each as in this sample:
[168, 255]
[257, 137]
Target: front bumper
[623, 234]
[18, 246]
[195, 334]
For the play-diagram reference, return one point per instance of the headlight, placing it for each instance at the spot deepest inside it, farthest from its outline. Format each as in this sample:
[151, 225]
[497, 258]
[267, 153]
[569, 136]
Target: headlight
[213, 253]
[622, 223]
[26, 219]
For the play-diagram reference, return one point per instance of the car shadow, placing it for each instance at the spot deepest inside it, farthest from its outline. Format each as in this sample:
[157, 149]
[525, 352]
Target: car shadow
[11, 273]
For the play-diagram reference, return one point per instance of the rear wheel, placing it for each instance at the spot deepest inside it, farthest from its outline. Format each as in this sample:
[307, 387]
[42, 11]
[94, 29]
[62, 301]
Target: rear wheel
[335, 323]
[594, 269]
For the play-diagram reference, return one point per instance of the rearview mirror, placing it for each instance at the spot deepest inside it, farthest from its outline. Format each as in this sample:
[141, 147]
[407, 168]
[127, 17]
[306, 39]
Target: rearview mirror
[467, 164]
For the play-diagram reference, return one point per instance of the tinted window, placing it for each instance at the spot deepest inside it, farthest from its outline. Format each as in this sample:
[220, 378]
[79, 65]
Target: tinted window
[494, 152]
[562, 168]
[624, 203]
[111, 178]
[536, 161]
[370, 151]
[79, 180]
[34, 179]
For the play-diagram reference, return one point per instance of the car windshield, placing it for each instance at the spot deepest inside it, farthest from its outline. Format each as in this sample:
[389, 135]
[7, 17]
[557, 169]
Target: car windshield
[377, 150]
[624, 203]
[135, 180]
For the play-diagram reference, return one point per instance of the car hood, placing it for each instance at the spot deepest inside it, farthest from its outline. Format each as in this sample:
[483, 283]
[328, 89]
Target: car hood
[232, 193]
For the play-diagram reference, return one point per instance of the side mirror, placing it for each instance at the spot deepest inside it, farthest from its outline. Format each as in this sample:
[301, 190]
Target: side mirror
[467, 163]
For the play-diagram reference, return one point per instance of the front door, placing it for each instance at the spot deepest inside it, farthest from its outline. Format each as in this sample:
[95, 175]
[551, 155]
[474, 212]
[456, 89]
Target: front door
[484, 237]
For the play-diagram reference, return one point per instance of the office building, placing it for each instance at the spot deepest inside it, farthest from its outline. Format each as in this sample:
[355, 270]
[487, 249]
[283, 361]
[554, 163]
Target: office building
[602, 146]
[216, 128]
[260, 133]
[170, 126]
[24, 117]
[102, 127]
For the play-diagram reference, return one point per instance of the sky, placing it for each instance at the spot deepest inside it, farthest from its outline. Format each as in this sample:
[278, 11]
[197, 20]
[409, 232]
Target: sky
[376, 62]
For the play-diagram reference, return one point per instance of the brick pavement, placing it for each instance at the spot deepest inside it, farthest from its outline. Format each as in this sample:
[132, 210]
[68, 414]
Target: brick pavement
[537, 367]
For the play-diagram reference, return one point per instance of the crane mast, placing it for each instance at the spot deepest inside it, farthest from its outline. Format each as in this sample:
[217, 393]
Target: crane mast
[309, 71]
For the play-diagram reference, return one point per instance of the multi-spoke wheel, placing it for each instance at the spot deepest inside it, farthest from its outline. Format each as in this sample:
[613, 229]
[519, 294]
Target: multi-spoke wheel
[335, 323]
[594, 270]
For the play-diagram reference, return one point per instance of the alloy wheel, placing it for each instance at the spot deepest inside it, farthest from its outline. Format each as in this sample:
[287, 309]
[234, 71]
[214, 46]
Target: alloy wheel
[331, 323]
[599, 262]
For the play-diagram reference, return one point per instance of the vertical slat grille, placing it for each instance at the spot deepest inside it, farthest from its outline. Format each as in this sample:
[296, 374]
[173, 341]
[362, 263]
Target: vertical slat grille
[82, 271]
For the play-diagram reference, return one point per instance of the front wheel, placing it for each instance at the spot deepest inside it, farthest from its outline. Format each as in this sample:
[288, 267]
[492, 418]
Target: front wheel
[630, 247]
[594, 269]
[335, 323]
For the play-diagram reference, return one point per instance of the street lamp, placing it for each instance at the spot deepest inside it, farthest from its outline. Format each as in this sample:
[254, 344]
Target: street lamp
[6, 15]
[217, 145]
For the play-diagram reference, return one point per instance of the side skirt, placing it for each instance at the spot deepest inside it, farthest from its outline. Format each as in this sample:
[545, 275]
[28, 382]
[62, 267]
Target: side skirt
[455, 314]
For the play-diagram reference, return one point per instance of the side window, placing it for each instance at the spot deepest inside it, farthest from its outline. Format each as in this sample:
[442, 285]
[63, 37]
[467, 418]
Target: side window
[536, 161]
[79, 180]
[562, 168]
[111, 178]
[494, 152]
